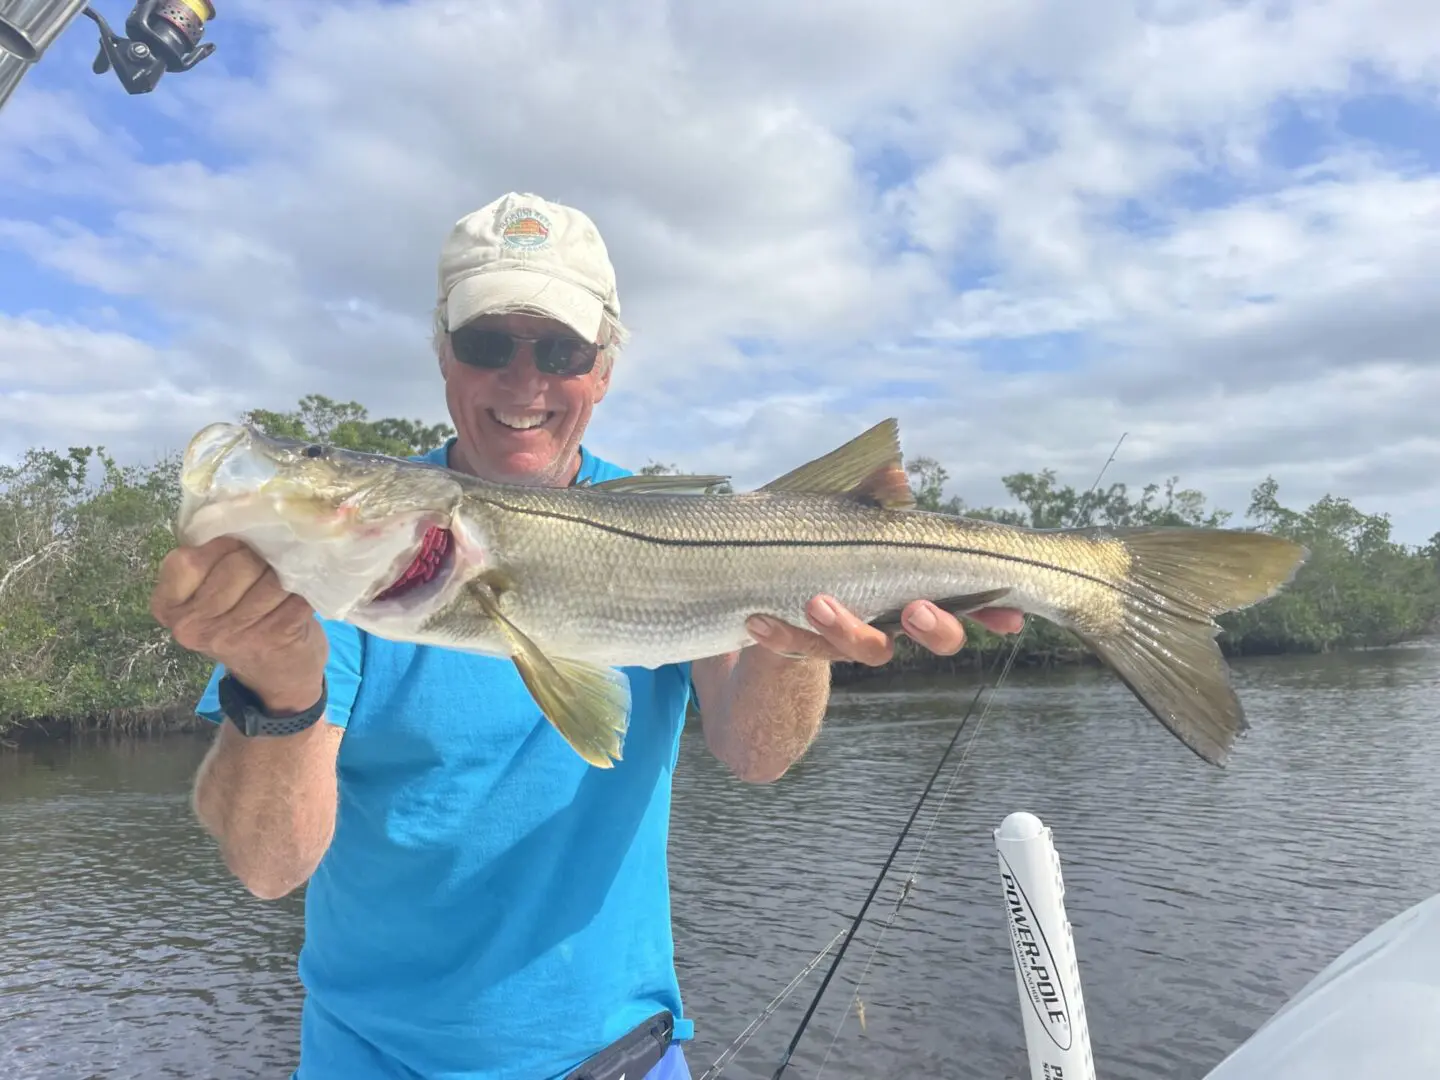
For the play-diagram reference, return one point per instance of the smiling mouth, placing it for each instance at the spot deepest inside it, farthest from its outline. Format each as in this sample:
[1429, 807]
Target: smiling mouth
[436, 553]
[520, 421]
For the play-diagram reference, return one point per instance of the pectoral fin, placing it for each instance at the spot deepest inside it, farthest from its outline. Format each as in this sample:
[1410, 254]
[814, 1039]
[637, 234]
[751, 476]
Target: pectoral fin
[587, 704]
[955, 605]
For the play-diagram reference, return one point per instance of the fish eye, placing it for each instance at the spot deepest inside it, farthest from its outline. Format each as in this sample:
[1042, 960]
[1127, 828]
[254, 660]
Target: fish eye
[314, 450]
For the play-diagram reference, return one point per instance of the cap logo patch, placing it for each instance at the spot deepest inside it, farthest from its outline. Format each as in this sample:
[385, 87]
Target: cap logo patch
[525, 228]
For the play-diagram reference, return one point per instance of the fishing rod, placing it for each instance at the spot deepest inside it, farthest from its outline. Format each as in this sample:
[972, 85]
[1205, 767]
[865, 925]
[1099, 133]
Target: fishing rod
[859, 919]
[161, 36]
[735, 1047]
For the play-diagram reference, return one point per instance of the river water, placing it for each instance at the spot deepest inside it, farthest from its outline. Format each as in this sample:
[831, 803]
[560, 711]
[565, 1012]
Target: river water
[1201, 898]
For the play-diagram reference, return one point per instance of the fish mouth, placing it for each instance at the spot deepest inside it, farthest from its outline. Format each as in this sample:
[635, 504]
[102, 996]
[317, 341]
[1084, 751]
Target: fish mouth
[207, 451]
[219, 462]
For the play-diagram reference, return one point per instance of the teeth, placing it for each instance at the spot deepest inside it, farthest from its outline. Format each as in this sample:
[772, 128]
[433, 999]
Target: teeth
[520, 421]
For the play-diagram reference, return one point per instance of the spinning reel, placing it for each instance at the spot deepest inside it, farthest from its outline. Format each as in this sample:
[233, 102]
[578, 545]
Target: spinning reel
[161, 36]
[164, 35]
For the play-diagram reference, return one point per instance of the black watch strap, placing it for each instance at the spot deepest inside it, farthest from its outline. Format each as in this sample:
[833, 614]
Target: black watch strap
[243, 708]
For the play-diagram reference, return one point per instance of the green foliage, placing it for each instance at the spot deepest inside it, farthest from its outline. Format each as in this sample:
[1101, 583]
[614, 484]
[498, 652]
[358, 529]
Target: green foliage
[1358, 587]
[1044, 505]
[348, 426]
[927, 481]
[81, 540]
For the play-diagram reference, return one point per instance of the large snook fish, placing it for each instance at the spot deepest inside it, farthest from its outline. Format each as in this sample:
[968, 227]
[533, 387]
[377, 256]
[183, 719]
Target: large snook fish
[573, 582]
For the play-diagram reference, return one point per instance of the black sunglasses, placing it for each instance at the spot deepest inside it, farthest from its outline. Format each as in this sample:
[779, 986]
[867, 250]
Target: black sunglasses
[479, 347]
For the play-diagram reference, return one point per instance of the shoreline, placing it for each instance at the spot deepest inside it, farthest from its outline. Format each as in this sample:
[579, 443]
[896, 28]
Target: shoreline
[148, 722]
[968, 664]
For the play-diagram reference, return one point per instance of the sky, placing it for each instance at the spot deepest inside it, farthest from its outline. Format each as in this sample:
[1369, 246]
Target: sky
[1024, 228]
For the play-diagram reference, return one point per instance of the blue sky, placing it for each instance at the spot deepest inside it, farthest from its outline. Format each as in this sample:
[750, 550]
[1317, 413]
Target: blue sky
[1021, 231]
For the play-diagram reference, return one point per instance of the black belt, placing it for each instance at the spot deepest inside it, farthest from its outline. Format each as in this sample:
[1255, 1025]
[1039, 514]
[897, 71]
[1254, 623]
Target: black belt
[631, 1056]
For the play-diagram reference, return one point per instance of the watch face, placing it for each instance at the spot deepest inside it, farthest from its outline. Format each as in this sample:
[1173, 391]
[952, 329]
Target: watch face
[238, 705]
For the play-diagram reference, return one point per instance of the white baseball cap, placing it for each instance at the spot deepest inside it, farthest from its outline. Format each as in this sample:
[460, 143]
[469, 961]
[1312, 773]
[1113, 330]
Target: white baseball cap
[524, 253]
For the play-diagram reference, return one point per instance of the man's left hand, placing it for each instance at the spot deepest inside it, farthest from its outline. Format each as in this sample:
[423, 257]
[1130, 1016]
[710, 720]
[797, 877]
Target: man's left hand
[840, 635]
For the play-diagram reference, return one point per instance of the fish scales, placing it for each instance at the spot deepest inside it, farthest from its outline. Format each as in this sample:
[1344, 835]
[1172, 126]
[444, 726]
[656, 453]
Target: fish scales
[651, 579]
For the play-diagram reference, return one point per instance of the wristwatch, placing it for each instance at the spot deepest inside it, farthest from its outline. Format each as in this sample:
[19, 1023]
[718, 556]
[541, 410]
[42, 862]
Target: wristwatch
[243, 708]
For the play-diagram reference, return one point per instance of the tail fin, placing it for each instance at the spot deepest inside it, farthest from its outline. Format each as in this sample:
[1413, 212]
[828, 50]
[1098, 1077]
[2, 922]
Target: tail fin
[1178, 580]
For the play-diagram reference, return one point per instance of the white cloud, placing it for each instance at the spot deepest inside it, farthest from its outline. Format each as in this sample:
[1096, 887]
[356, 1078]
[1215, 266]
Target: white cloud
[67, 385]
[906, 199]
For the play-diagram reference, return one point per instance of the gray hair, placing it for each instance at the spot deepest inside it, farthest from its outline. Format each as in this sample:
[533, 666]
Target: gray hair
[613, 336]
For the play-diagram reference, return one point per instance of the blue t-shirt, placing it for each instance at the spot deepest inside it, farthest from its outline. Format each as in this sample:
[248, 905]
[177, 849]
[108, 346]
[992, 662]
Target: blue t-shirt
[490, 907]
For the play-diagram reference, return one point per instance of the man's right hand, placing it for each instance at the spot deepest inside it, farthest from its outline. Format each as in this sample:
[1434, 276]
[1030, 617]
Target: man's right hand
[223, 601]
[269, 802]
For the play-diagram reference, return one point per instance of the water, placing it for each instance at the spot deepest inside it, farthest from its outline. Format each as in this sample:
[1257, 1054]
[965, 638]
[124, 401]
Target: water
[1201, 899]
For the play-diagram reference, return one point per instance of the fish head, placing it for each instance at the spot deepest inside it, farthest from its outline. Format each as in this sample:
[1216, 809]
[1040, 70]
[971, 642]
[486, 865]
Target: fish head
[362, 537]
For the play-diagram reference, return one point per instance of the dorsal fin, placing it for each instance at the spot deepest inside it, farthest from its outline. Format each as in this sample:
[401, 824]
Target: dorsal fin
[659, 484]
[868, 468]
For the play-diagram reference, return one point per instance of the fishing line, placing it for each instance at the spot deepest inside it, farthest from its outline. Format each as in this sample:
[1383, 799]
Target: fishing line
[905, 830]
[1078, 520]
[875, 887]
[924, 841]
[740, 1040]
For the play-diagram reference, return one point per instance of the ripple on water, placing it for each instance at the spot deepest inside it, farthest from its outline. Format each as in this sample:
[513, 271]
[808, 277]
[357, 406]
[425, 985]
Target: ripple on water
[1200, 898]
[136, 960]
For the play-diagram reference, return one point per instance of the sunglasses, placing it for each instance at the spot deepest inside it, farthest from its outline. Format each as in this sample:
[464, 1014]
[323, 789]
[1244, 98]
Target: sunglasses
[492, 350]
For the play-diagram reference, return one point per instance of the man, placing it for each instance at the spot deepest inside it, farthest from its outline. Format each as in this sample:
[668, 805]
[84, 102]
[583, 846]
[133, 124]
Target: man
[483, 905]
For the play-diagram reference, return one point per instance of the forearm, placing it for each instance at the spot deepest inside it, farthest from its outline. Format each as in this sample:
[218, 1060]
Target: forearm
[270, 804]
[764, 712]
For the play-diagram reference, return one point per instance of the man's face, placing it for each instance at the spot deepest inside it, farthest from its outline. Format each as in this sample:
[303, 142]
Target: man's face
[518, 424]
